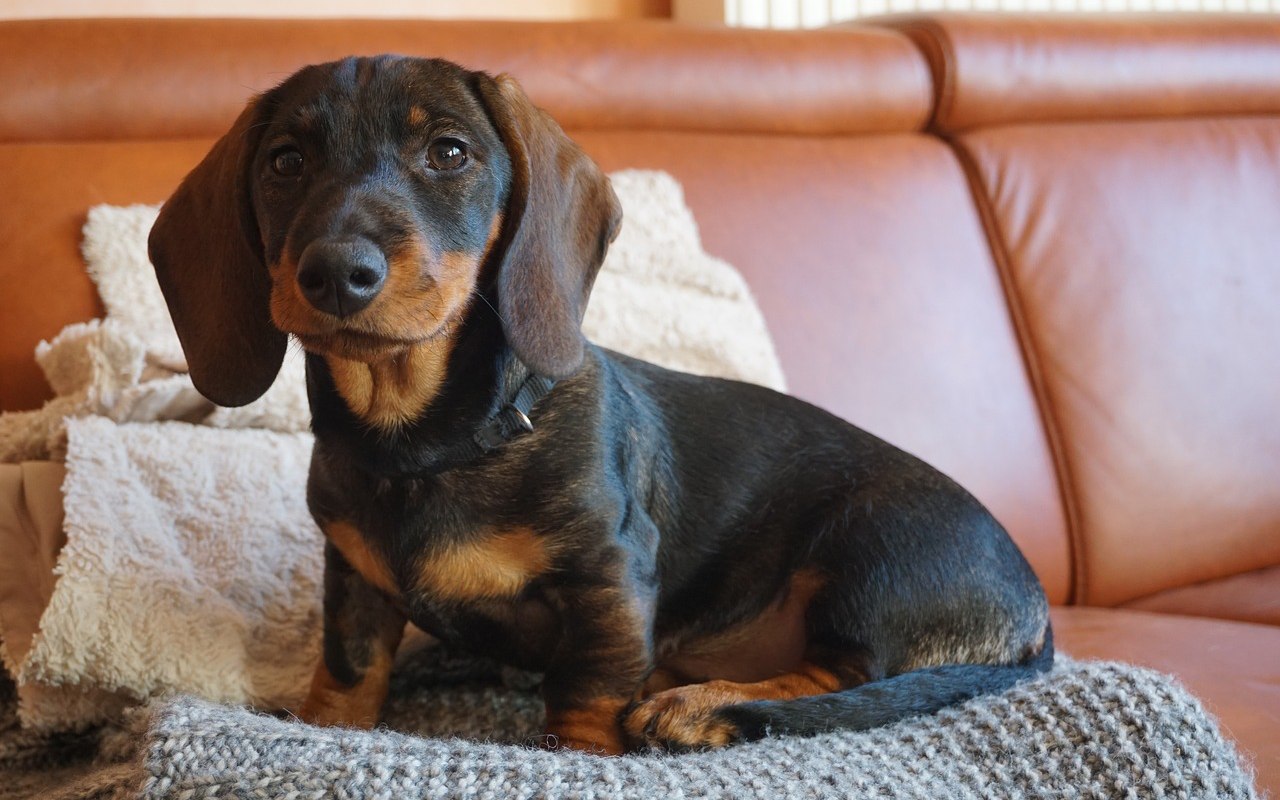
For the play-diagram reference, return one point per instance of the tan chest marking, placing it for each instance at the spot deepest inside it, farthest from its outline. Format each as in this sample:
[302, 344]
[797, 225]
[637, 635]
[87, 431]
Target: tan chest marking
[371, 566]
[495, 566]
[395, 391]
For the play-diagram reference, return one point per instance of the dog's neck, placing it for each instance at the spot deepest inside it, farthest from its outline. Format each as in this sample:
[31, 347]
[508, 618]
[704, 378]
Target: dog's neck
[391, 393]
[400, 416]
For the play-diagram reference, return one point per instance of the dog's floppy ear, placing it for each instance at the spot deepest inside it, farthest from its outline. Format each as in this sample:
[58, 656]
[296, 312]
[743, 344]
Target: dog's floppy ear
[208, 258]
[560, 219]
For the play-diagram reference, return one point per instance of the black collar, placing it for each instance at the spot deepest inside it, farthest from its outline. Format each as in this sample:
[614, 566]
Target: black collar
[396, 455]
[510, 420]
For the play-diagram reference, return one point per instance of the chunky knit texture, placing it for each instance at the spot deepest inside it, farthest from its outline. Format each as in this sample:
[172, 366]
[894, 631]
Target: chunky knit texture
[1093, 730]
[458, 728]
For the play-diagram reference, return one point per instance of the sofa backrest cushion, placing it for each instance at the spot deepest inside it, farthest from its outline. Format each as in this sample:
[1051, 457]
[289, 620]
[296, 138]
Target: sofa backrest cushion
[993, 69]
[1140, 238]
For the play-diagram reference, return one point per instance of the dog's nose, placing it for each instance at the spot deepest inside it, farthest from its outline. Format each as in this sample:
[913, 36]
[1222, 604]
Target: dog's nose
[341, 277]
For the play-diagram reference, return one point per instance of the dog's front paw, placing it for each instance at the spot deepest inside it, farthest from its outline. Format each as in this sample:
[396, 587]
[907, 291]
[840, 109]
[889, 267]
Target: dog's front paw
[331, 703]
[684, 718]
[328, 711]
[592, 728]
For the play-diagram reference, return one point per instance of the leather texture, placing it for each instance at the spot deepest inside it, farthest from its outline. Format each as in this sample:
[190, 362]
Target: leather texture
[997, 69]
[123, 79]
[51, 188]
[1144, 256]
[1247, 597]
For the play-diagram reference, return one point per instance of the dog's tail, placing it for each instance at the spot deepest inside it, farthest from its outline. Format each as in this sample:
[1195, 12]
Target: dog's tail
[883, 702]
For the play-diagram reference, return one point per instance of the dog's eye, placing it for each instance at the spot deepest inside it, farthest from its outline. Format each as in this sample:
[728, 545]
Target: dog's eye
[446, 154]
[287, 162]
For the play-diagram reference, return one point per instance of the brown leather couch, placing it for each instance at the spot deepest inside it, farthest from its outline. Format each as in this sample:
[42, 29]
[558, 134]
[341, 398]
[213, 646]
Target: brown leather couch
[1043, 253]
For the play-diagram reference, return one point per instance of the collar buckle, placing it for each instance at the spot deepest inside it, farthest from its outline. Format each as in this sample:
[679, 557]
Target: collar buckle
[512, 419]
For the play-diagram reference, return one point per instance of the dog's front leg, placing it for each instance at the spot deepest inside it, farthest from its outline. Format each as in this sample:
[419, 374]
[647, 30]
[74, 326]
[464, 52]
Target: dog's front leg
[601, 663]
[362, 629]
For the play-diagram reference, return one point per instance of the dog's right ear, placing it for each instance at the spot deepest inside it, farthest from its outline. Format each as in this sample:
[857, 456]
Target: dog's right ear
[208, 258]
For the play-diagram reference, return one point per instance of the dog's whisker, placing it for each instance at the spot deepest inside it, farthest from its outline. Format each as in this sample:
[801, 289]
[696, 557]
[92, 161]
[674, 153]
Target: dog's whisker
[490, 305]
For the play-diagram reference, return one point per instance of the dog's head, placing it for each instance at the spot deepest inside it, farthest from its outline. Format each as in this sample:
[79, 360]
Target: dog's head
[359, 205]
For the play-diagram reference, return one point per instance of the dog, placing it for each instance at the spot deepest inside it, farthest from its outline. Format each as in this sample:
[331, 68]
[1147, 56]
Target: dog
[691, 562]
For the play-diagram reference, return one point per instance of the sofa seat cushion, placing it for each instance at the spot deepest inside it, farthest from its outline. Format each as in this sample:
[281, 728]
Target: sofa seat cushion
[1248, 597]
[1233, 667]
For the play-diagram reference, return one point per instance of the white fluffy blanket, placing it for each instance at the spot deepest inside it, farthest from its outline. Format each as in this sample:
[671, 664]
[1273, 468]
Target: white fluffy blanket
[191, 564]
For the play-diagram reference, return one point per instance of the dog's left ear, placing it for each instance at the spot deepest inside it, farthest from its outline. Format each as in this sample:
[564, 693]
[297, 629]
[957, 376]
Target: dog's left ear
[560, 218]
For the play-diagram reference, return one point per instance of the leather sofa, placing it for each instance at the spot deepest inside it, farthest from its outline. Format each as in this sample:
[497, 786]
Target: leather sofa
[1041, 252]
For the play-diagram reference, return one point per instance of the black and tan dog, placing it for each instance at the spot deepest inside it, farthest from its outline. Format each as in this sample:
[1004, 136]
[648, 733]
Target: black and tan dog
[692, 562]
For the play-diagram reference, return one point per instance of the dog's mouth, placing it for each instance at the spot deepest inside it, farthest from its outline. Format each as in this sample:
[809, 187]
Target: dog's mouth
[383, 331]
[360, 345]
[355, 345]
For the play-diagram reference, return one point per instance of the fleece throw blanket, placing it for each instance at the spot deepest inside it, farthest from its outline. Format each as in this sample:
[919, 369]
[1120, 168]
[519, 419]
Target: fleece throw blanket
[1084, 730]
[191, 564]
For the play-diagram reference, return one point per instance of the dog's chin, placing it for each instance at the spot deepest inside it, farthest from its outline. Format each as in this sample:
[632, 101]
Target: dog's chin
[353, 341]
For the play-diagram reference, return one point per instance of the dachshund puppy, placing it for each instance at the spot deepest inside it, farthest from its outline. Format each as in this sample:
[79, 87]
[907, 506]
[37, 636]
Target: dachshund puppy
[691, 562]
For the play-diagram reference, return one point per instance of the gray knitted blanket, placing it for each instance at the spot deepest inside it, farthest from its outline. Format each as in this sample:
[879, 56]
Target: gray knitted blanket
[456, 729]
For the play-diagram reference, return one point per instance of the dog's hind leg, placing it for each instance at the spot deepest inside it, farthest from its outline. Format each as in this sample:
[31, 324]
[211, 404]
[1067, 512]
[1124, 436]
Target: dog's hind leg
[689, 717]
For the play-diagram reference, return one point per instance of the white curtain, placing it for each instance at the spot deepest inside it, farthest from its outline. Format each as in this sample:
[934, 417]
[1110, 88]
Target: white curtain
[813, 13]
